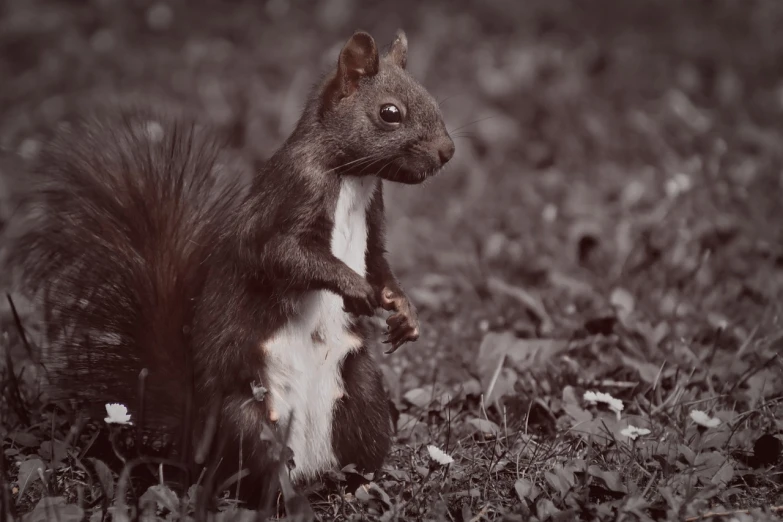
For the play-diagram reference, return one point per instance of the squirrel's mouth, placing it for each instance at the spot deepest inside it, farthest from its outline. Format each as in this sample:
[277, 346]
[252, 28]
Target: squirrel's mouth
[408, 175]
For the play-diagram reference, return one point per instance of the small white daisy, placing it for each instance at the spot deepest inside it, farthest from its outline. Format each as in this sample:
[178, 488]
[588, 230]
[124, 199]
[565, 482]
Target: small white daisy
[616, 405]
[439, 456]
[632, 432]
[117, 414]
[702, 419]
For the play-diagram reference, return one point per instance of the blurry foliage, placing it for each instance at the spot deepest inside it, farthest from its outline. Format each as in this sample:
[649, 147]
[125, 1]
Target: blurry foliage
[610, 222]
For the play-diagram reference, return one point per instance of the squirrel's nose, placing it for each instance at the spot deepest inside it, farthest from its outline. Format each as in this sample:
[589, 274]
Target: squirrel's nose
[445, 150]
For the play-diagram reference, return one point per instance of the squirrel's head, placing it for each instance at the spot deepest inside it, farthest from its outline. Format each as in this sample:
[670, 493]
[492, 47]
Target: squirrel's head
[387, 124]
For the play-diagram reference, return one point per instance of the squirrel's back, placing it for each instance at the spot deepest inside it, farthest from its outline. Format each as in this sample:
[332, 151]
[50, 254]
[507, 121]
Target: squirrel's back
[124, 211]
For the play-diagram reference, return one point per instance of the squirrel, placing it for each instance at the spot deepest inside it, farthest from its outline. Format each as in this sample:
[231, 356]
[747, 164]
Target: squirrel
[220, 309]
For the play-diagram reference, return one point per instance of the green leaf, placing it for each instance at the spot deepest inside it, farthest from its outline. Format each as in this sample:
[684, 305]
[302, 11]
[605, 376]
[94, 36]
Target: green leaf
[372, 492]
[636, 505]
[724, 475]
[235, 514]
[713, 467]
[647, 371]
[560, 479]
[398, 474]
[53, 451]
[602, 429]
[105, 477]
[28, 473]
[22, 438]
[545, 508]
[162, 496]
[610, 478]
[577, 413]
[54, 508]
[687, 453]
[410, 428]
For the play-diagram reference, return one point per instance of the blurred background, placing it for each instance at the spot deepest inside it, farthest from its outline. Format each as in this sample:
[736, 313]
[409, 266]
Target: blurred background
[602, 147]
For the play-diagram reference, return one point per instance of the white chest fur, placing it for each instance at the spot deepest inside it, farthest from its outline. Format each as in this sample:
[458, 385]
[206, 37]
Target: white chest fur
[304, 358]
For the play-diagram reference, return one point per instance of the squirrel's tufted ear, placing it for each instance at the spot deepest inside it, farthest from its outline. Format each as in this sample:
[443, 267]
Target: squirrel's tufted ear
[398, 53]
[358, 59]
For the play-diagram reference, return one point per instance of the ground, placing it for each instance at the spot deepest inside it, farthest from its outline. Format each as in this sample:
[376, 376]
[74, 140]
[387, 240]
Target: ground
[609, 224]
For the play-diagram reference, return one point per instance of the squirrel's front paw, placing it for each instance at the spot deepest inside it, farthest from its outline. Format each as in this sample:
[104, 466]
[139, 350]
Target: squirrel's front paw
[404, 323]
[360, 298]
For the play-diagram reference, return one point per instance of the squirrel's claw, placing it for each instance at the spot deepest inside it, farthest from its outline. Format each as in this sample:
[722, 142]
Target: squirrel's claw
[399, 333]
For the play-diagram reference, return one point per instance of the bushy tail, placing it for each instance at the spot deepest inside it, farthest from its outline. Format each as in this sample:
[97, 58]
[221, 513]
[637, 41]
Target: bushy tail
[121, 216]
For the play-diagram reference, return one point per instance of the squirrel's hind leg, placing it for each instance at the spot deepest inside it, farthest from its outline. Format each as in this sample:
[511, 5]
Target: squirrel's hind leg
[361, 428]
[246, 445]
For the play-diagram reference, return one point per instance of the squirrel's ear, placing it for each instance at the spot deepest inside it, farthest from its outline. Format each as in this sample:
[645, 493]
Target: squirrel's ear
[358, 59]
[398, 53]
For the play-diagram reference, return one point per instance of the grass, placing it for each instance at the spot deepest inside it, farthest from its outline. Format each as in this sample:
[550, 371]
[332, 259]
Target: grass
[609, 223]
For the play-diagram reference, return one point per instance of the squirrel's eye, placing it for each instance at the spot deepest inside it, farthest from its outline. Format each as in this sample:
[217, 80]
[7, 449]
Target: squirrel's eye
[390, 113]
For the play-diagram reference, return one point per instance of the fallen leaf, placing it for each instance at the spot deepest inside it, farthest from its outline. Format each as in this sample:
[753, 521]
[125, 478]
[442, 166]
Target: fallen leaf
[499, 466]
[428, 396]
[526, 489]
[419, 397]
[486, 427]
[520, 355]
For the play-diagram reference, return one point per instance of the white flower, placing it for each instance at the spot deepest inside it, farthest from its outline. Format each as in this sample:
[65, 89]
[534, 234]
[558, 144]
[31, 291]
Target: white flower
[702, 419]
[439, 456]
[616, 405]
[632, 432]
[117, 414]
